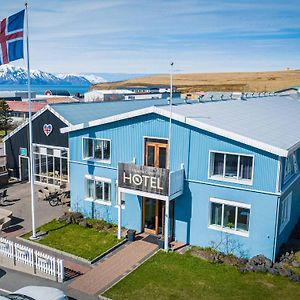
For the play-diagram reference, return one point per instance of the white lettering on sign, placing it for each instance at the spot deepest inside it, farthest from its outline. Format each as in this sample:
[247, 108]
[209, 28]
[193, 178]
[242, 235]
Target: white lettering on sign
[137, 179]
[144, 180]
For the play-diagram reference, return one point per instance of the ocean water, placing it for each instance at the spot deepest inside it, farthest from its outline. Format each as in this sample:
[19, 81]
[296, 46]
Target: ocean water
[40, 89]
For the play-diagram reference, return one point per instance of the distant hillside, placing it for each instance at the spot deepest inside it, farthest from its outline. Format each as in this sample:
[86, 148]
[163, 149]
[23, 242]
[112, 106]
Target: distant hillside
[239, 81]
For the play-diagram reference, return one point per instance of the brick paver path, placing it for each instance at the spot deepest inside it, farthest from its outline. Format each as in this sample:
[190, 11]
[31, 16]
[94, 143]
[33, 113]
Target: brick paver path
[113, 268]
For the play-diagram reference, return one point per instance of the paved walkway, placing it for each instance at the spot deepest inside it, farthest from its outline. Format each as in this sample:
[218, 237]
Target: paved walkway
[19, 202]
[114, 267]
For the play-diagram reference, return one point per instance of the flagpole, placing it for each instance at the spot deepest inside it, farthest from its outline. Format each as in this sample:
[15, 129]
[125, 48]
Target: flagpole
[31, 168]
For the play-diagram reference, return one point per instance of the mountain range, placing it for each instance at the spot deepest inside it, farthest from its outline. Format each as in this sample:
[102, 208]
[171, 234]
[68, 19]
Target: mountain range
[10, 74]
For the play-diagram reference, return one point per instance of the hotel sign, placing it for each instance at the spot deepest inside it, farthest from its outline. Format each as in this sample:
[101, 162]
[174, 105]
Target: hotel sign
[142, 178]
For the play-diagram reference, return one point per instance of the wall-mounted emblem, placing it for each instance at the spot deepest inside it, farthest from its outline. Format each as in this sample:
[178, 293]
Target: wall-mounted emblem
[47, 129]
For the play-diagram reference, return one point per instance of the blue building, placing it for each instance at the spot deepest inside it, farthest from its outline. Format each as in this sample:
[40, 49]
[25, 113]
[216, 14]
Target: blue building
[228, 179]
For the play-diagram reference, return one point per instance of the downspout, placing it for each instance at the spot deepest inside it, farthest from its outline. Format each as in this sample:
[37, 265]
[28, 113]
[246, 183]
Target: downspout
[278, 189]
[276, 230]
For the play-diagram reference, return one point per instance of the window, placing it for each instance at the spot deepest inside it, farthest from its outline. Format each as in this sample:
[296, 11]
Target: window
[50, 165]
[285, 210]
[231, 167]
[98, 189]
[291, 167]
[98, 149]
[229, 216]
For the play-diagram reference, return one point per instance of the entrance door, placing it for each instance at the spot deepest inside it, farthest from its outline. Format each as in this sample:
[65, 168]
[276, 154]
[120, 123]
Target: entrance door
[153, 209]
[24, 168]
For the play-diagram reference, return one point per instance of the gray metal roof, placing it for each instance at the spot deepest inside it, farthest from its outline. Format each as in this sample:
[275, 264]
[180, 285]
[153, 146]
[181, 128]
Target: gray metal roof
[270, 123]
[272, 120]
[77, 113]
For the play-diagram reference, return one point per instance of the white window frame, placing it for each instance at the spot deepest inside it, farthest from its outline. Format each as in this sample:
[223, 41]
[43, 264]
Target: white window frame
[229, 179]
[290, 167]
[97, 179]
[285, 211]
[221, 227]
[45, 179]
[106, 161]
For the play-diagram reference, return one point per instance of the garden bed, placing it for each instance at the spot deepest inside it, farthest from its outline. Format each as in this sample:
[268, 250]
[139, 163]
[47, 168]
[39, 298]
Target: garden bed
[88, 240]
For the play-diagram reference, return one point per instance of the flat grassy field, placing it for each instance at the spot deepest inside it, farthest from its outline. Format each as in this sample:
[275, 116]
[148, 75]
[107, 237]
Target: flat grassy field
[84, 242]
[176, 276]
[238, 81]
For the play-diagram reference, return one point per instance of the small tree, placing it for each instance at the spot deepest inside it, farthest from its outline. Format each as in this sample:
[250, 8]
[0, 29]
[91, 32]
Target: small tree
[5, 117]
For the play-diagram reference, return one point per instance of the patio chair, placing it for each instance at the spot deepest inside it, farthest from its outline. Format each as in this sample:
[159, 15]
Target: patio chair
[5, 223]
[46, 192]
[3, 196]
[41, 195]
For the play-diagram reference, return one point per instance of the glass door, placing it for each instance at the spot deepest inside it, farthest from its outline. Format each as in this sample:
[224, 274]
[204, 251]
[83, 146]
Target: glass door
[150, 215]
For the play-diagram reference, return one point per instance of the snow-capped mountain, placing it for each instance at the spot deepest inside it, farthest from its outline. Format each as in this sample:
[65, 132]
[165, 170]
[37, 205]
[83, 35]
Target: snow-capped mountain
[93, 78]
[81, 78]
[74, 79]
[10, 74]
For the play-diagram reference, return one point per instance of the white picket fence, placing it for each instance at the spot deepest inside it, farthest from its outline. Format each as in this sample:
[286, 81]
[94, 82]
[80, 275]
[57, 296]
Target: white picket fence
[37, 261]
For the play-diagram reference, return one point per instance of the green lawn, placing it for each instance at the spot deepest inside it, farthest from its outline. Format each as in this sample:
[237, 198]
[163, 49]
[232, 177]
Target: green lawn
[176, 276]
[81, 241]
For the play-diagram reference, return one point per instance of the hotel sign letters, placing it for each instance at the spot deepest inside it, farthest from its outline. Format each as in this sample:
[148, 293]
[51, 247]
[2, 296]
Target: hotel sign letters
[142, 178]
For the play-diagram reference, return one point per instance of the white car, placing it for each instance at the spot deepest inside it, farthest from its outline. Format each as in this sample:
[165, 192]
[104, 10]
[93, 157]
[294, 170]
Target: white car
[36, 293]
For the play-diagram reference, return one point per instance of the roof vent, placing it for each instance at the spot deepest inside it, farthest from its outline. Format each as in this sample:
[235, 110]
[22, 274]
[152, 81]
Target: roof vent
[200, 98]
[238, 96]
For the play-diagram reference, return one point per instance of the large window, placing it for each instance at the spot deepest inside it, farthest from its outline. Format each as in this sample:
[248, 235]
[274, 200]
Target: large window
[229, 216]
[50, 165]
[231, 167]
[285, 211]
[98, 189]
[98, 149]
[291, 167]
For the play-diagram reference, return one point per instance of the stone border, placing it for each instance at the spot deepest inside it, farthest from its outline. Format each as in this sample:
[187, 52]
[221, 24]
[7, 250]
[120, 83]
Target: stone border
[102, 255]
[75, 257]
[100, 296]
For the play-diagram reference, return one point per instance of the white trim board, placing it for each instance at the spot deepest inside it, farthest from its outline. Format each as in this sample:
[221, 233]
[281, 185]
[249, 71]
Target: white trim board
[164, 112]
[25, 123]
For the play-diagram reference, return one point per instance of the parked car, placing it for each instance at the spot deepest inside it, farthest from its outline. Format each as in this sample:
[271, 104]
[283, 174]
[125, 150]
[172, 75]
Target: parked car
[36, 293]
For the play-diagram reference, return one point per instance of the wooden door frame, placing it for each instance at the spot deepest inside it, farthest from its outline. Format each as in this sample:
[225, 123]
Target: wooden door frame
[156, 146]
[151, 231]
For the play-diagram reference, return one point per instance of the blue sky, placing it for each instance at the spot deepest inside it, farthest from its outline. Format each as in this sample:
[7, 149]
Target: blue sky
[143, 36]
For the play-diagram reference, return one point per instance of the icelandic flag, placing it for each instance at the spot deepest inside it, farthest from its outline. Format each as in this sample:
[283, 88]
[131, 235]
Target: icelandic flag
[11, 38]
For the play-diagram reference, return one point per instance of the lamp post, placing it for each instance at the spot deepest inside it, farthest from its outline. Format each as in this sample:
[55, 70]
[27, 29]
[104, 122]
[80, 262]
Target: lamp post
[167, 208]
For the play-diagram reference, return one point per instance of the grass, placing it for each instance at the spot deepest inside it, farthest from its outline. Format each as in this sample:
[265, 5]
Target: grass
[81, 241]
[176, 276]
[234, 81]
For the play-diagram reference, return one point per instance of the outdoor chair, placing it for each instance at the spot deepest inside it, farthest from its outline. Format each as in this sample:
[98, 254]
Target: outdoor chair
[46, 192]
[41, 195]
[3, 196]
[5, 223]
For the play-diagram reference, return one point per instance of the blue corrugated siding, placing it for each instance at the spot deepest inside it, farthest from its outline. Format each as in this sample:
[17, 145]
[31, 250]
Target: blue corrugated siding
[189, 146]
[295, 213]
[192, 219]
